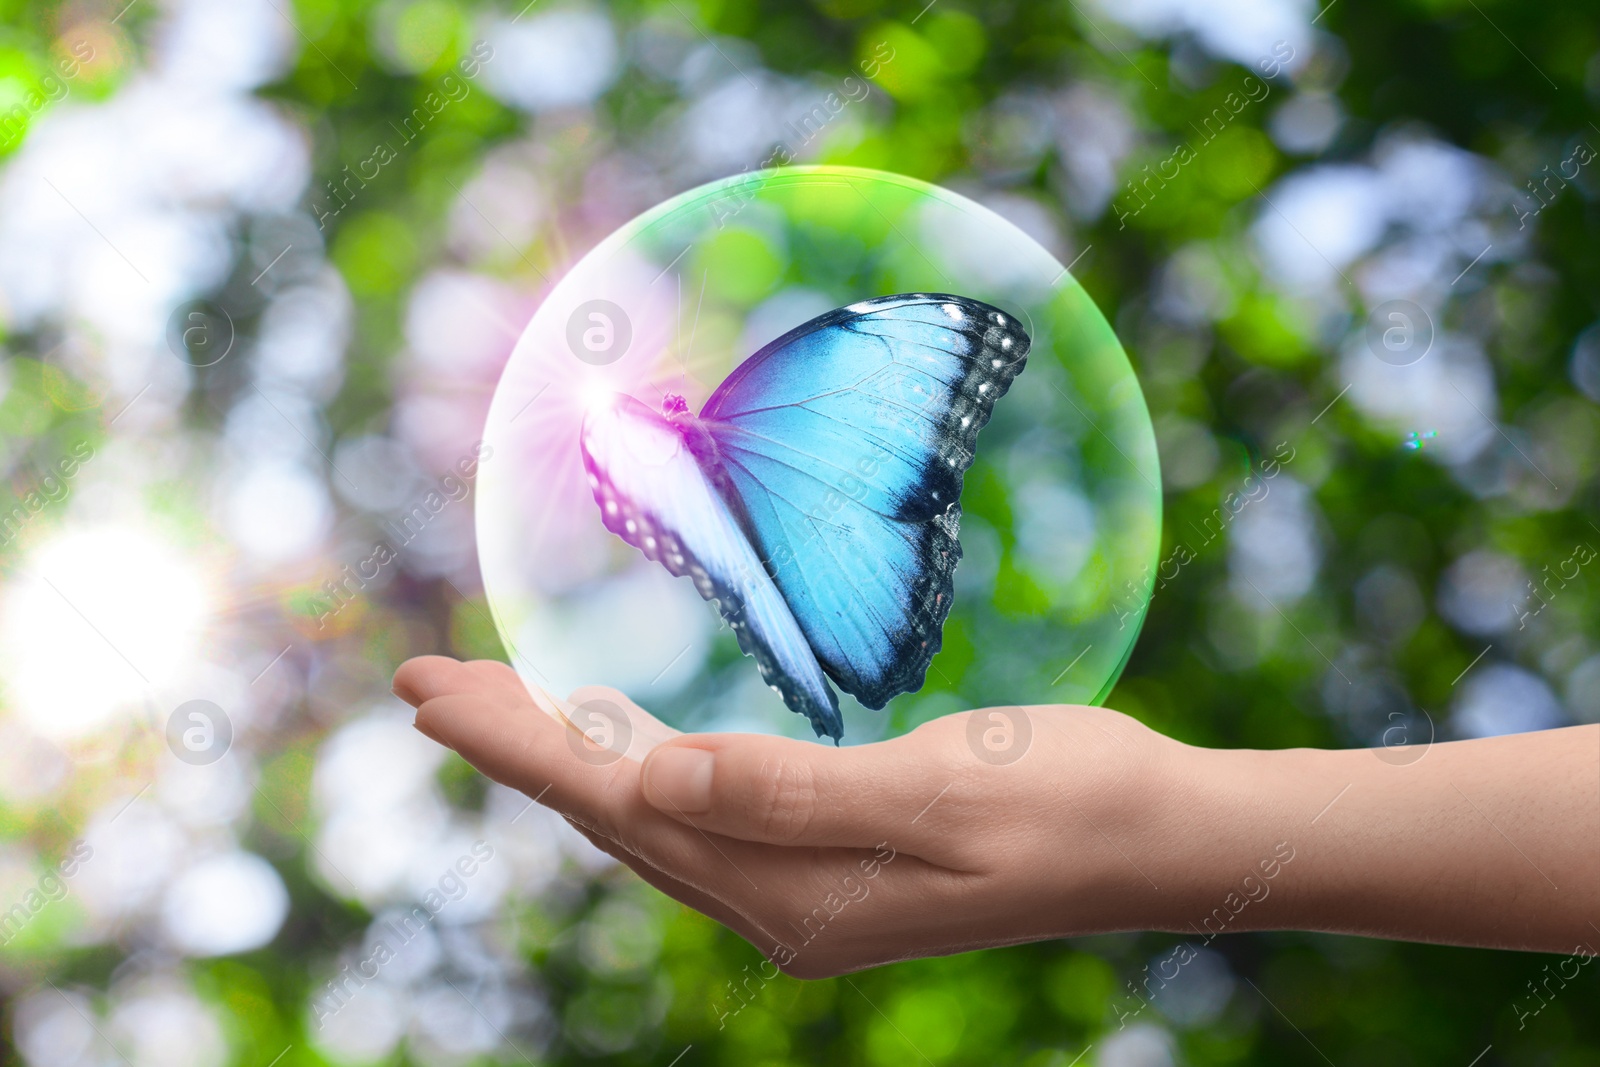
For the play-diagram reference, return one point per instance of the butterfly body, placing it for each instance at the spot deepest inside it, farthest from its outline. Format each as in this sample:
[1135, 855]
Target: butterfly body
[816, 498]
[632, 453]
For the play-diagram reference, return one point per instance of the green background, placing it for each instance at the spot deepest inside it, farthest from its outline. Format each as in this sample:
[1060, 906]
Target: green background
[630, 977]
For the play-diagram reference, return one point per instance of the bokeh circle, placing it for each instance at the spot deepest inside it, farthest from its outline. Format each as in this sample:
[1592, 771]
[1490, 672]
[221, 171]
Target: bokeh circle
[1061, 510]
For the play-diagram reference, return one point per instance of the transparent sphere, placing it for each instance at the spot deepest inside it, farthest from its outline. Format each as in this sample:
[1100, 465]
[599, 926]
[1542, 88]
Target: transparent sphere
[1060, 511]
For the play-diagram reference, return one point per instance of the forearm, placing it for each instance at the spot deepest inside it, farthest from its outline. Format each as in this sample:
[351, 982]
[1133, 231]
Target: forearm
[1492, 842]
[913, 847]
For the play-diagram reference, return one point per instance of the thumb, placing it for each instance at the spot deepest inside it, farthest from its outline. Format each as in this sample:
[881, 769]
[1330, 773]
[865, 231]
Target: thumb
[785, 792]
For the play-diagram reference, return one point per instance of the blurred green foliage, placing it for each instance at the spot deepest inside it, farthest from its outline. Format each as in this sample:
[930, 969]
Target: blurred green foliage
[1489, 78]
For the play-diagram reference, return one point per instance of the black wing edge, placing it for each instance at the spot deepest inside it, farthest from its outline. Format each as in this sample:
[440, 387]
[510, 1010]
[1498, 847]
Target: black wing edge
[999, 353]
[993, 365]
[993, 319]
[934, 594]
[661, 545]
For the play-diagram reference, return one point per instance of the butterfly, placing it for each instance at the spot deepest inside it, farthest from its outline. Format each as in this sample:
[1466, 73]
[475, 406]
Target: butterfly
[816, 498]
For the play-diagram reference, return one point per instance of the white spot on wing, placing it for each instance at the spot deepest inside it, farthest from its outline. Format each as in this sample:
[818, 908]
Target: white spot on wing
[953, 311]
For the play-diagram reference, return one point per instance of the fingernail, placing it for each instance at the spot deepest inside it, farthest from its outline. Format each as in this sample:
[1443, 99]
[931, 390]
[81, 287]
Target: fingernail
[678, 780]
[407, 695]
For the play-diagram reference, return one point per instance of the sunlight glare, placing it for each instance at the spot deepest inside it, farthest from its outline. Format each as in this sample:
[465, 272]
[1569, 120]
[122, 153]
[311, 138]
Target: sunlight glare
[597, 395]
[95, 622]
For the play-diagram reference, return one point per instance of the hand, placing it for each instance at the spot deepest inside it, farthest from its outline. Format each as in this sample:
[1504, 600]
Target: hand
[830, 860]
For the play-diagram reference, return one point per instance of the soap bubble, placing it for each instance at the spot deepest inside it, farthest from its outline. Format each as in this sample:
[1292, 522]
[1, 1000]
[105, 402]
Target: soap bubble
[670, 304]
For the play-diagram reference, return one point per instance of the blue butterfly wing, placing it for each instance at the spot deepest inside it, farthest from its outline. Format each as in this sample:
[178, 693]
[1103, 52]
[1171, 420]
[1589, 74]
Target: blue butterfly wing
[655, 495]
[842, 447]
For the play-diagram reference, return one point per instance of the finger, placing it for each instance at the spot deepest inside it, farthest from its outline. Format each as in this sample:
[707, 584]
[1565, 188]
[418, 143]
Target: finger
[508, 738]
[421, 677]
[425, 677]
[501, 676]
[597, 700]
[786, 792]
[838, 910]
[680, 891]
[605, 713]
[518, 745]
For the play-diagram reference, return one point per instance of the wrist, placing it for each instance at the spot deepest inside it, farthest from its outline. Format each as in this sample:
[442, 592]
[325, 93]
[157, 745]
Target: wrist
[1464, 842]
[1228, 837]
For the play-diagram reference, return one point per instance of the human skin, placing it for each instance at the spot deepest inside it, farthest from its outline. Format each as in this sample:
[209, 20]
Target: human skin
[1101, 825]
